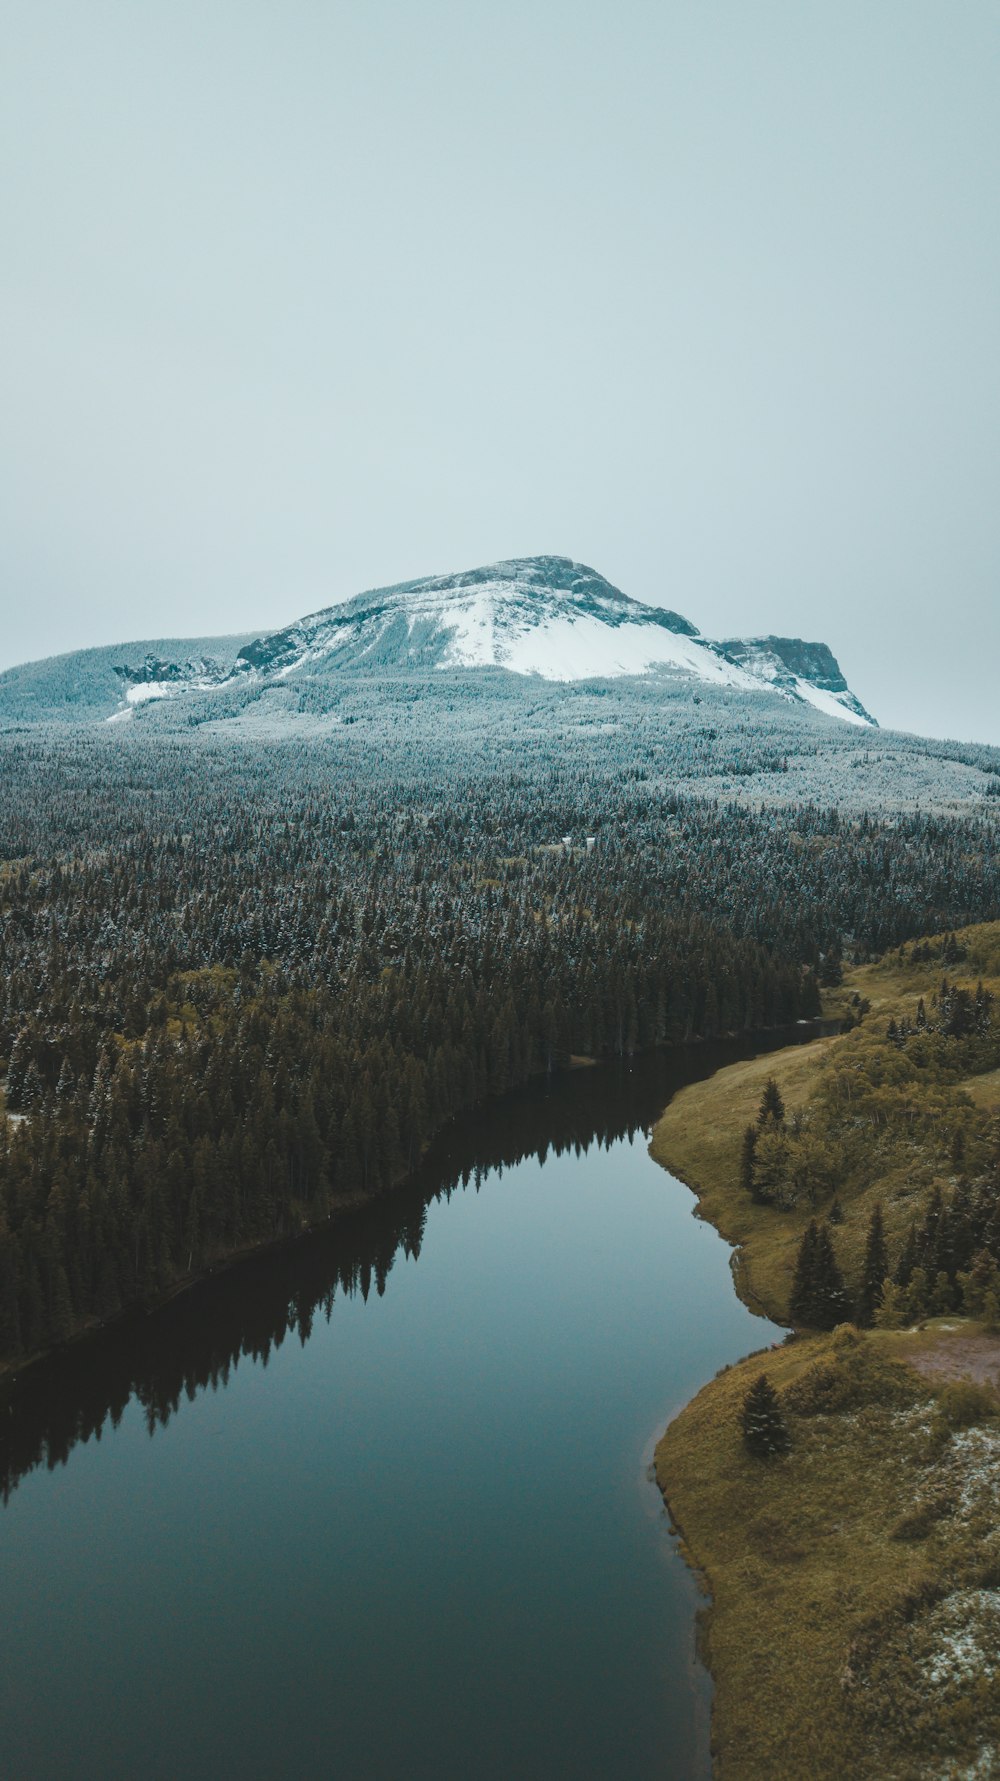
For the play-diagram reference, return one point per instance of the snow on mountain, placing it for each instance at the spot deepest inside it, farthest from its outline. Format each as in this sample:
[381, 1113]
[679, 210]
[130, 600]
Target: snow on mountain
[536, 615]
[547, 616]
[543, 616]
[806, 671]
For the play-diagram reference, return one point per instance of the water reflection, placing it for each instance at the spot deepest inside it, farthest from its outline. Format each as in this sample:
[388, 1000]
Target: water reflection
[194, 1342]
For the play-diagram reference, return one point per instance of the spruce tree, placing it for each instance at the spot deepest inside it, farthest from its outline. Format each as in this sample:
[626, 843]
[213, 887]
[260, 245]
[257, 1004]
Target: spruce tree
[772, 1106]
[831, 1304]
[800, 1304]
[874, 1271]
[831, 971]
[765, 1432]
[20, 1058]
[818, 1300]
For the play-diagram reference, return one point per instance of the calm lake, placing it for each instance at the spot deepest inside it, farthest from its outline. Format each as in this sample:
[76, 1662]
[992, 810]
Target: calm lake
[378, 1505]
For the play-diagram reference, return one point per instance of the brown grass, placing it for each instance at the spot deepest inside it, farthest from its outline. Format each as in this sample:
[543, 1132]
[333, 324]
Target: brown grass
[813, 1562]
[839, 1573]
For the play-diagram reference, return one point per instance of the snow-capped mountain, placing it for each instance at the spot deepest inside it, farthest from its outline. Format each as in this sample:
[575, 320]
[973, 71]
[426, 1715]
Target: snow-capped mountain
[545, 616]
[807, 671]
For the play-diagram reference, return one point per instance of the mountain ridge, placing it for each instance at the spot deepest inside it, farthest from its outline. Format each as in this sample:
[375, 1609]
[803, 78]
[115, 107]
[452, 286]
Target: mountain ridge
[545, 616]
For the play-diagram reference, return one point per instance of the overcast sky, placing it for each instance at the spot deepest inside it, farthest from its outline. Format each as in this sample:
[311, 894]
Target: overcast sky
[302, 297]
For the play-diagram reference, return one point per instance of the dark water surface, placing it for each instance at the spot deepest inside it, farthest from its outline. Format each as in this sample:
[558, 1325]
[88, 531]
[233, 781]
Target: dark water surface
[376, 1506]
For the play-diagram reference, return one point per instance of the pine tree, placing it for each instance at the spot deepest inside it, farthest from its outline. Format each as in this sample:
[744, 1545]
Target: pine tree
[916, 1295]
[772, 1106]
[765, 1432]
[831, 971]
[903, 1272]
[818, 1300]
[831, 1304]
[20, 1058]
[800, 1304]
[874, 1271]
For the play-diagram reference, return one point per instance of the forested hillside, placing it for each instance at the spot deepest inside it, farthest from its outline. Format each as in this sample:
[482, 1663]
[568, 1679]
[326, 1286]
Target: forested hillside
[241, 986]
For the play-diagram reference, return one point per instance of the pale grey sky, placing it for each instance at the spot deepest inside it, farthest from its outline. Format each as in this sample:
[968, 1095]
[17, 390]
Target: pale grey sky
[303, 296]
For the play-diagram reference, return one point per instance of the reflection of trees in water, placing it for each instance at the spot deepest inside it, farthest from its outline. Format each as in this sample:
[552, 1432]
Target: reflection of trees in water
[197, 1340]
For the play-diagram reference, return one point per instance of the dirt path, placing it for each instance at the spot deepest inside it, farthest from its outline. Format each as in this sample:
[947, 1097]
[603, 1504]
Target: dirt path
[947, 1356]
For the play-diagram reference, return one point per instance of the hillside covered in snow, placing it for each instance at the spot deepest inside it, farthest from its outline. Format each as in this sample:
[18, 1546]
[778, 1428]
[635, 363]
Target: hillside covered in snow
[544, 617]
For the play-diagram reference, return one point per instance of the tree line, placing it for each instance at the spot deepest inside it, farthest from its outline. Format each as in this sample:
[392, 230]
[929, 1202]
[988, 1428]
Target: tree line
[240, 988]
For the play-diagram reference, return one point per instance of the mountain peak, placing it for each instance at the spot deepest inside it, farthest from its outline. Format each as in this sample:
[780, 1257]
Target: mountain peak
[548, 616]
[535, 615]
[545, 616]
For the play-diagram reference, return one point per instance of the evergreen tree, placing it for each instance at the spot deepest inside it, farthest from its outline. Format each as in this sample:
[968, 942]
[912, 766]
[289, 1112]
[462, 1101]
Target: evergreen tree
[818, 1300]
[771, 1159]
[831, 971]
[982, 1278]
[748, 1180]
[772, 1106]
[21, 1057]
[800, 1304]
[942, 1295]
[765, 1432]
[832, 1305]
[874, 1271]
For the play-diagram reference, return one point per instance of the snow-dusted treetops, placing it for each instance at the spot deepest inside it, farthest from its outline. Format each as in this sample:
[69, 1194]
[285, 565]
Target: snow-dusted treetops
[545, 617]
[304, 898]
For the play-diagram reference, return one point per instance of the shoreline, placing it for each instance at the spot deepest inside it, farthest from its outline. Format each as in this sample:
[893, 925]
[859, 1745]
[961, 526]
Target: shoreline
[830, 1572]
[13, 1371]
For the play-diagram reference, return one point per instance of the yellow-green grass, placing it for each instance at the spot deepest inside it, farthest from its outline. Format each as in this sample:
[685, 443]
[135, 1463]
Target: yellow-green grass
[699, 1136]
[698, 1139]
[827, 1567]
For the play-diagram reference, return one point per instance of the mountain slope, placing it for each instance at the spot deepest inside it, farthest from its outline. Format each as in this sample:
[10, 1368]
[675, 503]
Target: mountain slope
[93, 683]
[536, 615]
[546, 617]
[807, 671]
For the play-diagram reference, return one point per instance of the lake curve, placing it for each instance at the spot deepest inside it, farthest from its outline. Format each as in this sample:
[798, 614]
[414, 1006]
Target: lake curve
[374, 1506]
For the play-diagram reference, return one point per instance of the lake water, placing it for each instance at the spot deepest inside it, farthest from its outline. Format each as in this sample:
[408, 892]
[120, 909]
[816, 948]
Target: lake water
[377, 1506]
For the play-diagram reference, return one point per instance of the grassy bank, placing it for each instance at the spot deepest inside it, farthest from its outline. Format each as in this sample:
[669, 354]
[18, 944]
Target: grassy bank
[855, 1581]
[867, 1122]
[855, 1609]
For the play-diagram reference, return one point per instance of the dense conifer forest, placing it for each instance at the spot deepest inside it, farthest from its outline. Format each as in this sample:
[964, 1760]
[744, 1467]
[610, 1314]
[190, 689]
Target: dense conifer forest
[244, 985]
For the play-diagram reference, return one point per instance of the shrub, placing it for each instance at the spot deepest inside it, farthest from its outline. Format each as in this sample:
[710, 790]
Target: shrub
[851, 1377]
[961, 1403]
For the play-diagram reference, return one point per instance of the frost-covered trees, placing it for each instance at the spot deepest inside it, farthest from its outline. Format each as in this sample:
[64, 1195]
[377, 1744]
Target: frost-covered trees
[238, 978]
